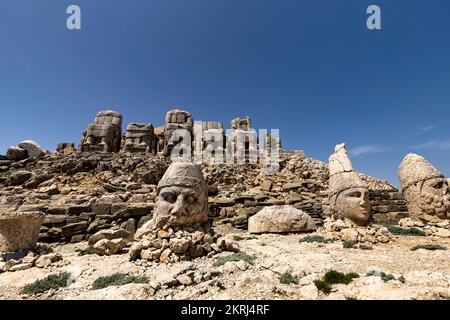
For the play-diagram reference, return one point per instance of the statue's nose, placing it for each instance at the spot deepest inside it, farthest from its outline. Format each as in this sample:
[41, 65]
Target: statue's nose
[179, 206]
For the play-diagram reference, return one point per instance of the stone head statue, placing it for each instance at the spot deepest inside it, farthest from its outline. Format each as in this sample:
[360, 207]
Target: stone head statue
[348, 194]
[425, 188]
[181, 196]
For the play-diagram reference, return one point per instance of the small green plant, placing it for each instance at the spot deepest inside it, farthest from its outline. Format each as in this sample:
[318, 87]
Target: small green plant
[221, 286]
[86, 251]
[315, 238]
[333, 277]
[239, 238]
[399, 231]
[117, 279]
[191, 275]
[351, 298]
[215, 274]
[385, 276]
[365, 247]
[430, 246]
[349, 244]
[53, 281]
[234, 257]
[288, 278]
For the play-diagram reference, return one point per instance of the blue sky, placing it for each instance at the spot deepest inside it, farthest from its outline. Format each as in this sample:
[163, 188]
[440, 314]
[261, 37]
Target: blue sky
[308, 67]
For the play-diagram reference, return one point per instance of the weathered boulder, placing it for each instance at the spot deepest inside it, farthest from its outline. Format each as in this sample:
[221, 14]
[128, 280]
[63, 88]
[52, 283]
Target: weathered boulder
[109, 247]
[280, 219]
[19, 230]
[34, 150]
[16, 153]
[18, 178]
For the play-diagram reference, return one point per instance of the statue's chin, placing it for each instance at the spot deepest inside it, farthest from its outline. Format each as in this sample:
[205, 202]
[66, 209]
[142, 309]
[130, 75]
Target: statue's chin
[360, 219]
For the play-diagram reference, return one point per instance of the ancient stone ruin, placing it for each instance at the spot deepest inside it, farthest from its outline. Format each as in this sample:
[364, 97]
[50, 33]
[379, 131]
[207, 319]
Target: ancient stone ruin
[139, 137]
[348, 194]
[180, 228]
[19, 230]
[104, 134]
[425, 189]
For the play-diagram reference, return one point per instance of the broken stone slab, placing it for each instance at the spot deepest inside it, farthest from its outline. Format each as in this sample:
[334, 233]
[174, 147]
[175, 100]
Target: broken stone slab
[109, 235]
[109, 247]
[19, 177]
[74, 228]
[19, 230]
[33, 149]
[280, 219]
[16, 154]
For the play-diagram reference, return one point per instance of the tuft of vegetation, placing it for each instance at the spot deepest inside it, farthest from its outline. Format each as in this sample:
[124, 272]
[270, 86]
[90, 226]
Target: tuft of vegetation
[365, 247]
[351, 298]
[239, 238]
[349, 244]
[430, 246]
[234, 257]
[86, 251]
[399, 231]
[117, 279]
[221, 286]
[333, 277]
[191, 275]
[215, 274]
[53, 281]
[315, 238]
[288, 278]
[386, 276]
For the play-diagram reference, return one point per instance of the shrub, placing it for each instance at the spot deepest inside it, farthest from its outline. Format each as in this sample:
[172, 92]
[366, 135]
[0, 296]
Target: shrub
[215, 274]
[333, 277]
[385, 276]
[117, 279]
[53, 281]
[431, 246]
[234, 257]
[398, 231]
[315, 238]
[86, 251]
[365, 247]
[349, 244]
[288, 278]
[221, 286]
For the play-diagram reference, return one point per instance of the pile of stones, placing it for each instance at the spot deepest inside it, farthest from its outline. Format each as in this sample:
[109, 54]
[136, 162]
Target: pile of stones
[347, 230]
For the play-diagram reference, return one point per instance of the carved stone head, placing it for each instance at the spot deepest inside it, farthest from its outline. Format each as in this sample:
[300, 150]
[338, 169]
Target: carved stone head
[348, 194]
[425, 188]
[182, 196]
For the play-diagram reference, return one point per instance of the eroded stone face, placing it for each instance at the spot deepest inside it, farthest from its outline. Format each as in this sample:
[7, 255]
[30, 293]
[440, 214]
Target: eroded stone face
[182, 196]
[349, 195]
[354, 204]
[425, 189]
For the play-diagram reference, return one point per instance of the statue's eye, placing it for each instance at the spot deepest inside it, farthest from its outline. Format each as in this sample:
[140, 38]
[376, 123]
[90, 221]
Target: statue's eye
[439, 185]
[169, 197]
[355, 194]
[191, 199]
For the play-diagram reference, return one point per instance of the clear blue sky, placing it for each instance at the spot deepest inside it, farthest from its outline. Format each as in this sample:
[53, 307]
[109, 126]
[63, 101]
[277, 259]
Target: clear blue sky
[308, 67]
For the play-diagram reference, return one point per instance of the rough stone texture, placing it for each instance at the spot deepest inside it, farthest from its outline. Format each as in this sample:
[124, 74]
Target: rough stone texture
[348, 194]
[175, 119]
[19, 230]
[139, 137]
[104, 134]
[33, 148]
[280, 219]
[182, 196]
[425, 189]
[16, 153]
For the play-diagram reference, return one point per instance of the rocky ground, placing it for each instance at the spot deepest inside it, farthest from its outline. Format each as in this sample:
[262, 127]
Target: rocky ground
[426, 274]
